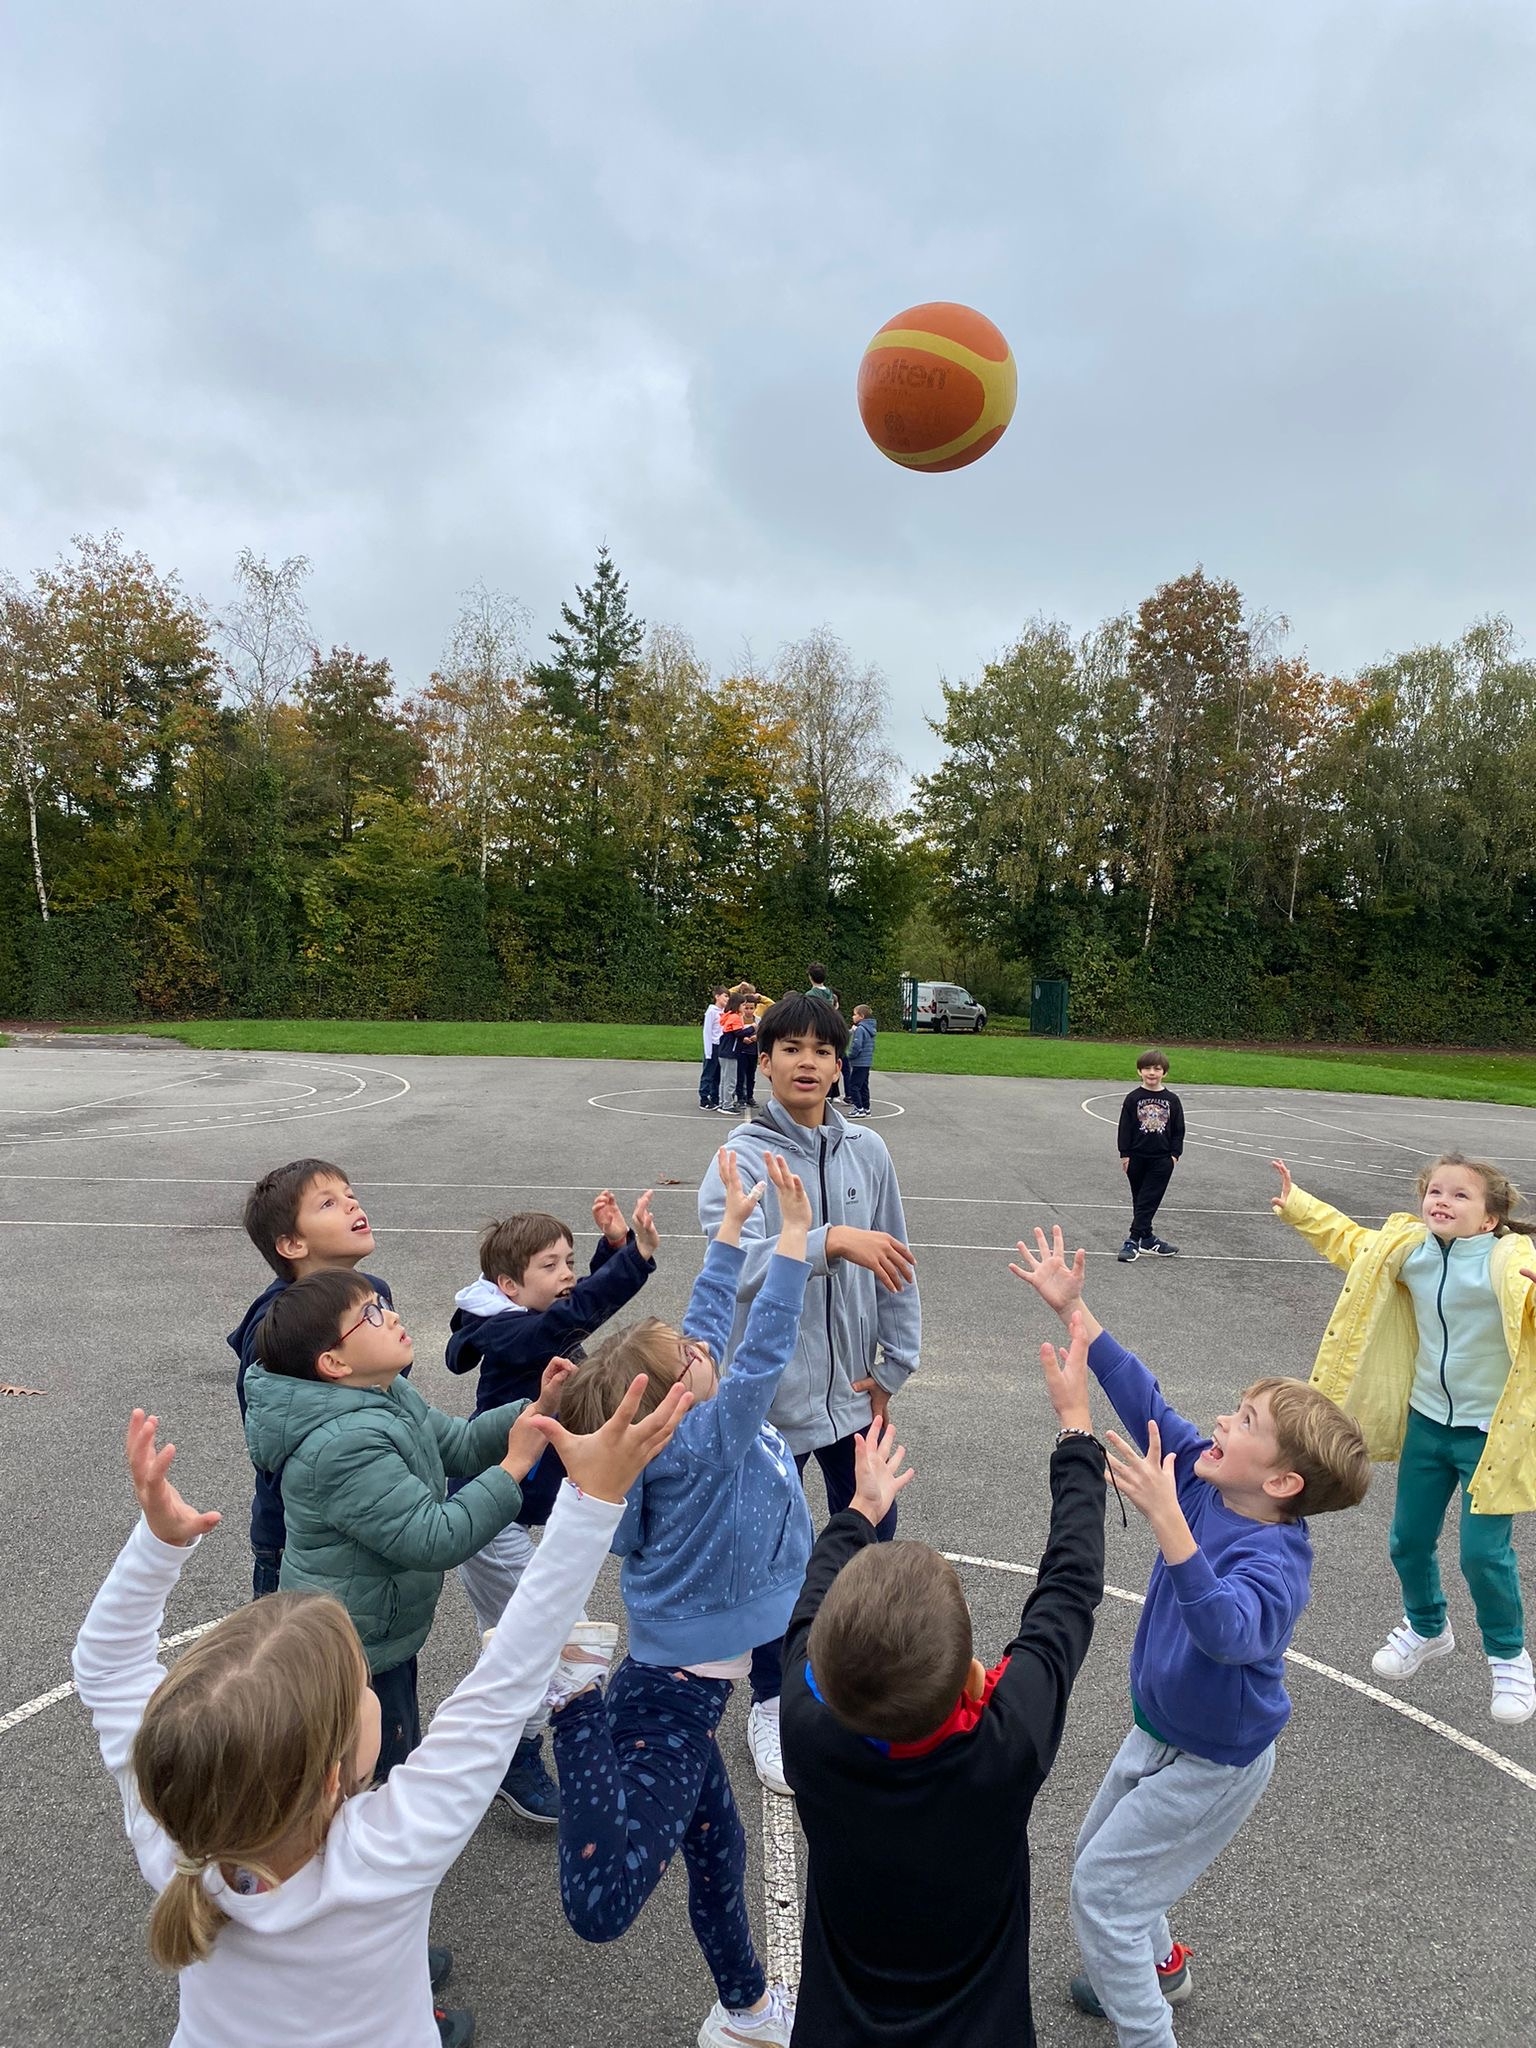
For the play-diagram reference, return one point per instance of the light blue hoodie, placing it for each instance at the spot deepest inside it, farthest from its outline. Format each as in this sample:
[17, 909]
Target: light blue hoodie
[716, 1532]
[852, 1328]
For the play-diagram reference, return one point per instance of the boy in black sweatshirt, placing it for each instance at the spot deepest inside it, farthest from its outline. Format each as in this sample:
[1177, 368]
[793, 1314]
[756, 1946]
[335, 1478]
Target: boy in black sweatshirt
[916, 1768]
[527, 1308]
[1151, 1141]
[303, 1218]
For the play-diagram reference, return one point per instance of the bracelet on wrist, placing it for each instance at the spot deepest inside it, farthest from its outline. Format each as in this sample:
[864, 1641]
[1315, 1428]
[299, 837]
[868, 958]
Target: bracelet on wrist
[1062, 1435]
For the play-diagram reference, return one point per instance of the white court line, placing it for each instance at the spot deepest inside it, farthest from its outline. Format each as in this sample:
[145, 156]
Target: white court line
[361, 1076]
[676, 1116]
[1344, 1130]
[781, 1890]
[1469, 1743]
[123, 1101]
[28, 1708]
[1255, 1147]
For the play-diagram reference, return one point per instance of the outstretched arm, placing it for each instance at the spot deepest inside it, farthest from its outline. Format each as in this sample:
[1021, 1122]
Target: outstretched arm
[1340, 1240]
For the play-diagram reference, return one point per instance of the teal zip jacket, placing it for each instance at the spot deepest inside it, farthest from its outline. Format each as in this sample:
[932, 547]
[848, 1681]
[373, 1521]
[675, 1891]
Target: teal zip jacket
[365, 1475]
[1462, 1361]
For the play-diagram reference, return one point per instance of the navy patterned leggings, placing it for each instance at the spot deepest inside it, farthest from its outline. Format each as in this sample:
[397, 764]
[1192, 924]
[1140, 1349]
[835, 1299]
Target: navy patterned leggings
[640, 1778]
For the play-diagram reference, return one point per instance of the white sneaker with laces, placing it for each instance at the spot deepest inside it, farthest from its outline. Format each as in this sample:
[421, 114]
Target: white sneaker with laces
[769, 2028]
[587, 1654]
[1514, 1688]
[1405, 1650]
[767, 1751]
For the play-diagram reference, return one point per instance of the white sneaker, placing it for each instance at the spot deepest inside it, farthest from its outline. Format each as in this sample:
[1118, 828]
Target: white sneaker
[1405, 1650]
[585, 1658]
[767, 1751]
[769, 2028]
[1514, 1688]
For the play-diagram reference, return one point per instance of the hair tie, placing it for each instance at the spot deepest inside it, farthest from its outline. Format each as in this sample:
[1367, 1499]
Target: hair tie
[192, 1866]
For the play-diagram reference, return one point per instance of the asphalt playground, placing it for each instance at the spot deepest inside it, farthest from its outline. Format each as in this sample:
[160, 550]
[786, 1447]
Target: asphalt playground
[1383, 1893]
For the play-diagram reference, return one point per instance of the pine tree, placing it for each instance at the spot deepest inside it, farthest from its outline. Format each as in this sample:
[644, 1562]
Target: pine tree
[597, 654]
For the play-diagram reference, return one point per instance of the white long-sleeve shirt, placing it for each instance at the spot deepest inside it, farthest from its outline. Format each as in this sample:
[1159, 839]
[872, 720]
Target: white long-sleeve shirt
[336, 1956]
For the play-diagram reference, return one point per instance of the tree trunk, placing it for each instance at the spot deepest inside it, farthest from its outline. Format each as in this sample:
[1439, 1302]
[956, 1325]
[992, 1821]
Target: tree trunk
[37, 857]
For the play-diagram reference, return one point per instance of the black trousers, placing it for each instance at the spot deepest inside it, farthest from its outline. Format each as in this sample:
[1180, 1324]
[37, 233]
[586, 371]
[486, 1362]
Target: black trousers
[399, 1716]
[837, 1471]
[1149, 1180]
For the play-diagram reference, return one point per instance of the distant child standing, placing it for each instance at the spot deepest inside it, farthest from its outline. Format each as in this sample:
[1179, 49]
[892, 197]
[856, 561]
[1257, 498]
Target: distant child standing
[303, 1218]
[746, 1055]
[861, 1057]
[709, 1073]
[1208, 1696]
[1433, 1347]
[714, 1542]
[728, 1046]
[1151, 1141]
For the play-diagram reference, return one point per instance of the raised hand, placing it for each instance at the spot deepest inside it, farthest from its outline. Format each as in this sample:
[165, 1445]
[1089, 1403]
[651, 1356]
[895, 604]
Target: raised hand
[794, 1202]
[551, 1380]
[739, 1201]
[1278, 1202]
[607, 1463]
[609, 1218]
[168, 1515]
[876, 1251]
[643, 1224]
[1150, 1486]
[878, 1477]
[1066, 1376]
[525, 1446]
[1059, 1285]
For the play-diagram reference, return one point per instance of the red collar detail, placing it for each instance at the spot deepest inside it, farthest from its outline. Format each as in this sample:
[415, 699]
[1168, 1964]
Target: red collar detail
[962, 1719]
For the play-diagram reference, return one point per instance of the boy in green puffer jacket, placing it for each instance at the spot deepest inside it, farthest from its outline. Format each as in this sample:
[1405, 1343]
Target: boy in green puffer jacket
[365, 1465]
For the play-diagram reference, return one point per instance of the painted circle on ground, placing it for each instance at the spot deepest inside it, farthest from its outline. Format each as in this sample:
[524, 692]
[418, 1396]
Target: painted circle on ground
[623, 1102]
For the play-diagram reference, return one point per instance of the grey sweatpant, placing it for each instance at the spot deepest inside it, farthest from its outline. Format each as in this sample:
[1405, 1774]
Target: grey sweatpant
[490, 1577]
[1160, 1817]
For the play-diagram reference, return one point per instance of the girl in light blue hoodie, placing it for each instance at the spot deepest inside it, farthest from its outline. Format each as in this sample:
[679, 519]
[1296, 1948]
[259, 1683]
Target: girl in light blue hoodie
[714, 1542]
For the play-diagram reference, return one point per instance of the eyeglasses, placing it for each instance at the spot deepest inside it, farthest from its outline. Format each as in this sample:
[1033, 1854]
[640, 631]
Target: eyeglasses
[373, 1312]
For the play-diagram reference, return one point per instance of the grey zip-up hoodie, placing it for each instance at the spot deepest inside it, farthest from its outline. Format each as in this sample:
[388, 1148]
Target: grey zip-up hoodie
[851, 1327]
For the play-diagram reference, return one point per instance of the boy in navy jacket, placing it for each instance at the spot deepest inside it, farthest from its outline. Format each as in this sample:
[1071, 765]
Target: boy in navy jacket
[1208, 1690]
[303, 1218]
[527, 1308]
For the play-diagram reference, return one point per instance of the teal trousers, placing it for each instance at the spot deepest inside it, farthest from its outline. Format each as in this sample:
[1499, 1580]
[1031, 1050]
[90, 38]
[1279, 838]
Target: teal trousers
[1435, 1462]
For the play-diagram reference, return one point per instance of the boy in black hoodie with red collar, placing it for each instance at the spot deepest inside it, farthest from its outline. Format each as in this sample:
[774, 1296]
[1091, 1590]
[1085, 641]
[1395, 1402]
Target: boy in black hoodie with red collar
[909, 1757]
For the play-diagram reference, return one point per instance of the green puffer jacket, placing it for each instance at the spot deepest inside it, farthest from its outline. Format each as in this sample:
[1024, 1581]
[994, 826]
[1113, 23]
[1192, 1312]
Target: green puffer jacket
[364, 1473]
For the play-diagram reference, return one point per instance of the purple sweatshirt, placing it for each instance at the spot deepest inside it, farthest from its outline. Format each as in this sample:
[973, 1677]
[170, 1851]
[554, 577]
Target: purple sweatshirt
[1207, 1666]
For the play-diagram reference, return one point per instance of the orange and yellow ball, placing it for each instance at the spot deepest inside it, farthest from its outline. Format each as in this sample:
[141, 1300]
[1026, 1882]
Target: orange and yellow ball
[937, 387]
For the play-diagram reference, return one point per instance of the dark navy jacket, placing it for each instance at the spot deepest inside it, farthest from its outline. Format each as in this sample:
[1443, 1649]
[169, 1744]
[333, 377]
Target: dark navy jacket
[512, 1346]
[267, 1527]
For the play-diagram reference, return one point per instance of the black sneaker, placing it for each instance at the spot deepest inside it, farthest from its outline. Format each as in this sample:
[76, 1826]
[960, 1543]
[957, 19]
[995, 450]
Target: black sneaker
[439, 1967]
[1173, 1980]
[1128, 1251]
[1155, 1247]
[455, 2025]
[527, 1787]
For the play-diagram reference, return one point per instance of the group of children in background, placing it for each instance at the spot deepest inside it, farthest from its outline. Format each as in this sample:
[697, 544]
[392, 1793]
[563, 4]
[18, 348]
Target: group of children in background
[731, 1042]
[295, 1823]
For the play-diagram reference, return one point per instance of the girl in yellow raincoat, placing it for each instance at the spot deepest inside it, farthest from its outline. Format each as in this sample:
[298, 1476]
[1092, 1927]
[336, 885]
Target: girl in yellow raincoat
[1432, 1347]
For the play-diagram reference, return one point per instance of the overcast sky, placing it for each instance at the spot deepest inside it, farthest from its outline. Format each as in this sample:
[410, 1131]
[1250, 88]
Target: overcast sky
[443, 293]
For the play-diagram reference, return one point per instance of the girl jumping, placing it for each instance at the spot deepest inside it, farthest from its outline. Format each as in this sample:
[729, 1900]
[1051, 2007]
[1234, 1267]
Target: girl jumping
[301, 1898]
[1432, 1347]
[715, 1543]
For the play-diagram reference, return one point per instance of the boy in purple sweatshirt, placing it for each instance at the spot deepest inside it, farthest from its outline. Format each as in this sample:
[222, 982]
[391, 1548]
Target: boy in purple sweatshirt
[1208, 1691]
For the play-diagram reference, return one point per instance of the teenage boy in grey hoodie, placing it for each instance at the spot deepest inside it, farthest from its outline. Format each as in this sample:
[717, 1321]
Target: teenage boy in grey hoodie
[861, 1330]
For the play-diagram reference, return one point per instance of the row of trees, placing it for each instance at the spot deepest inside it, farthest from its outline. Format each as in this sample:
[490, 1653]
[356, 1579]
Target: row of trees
[1205, 834]
[211, 814]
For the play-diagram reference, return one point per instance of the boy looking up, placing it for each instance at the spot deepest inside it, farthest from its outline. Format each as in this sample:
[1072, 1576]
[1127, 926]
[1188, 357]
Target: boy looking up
[861, 1330]
[365, 1463]
[527, 1308]
[909, 1757]
[303, 1218]
[1208, 1691]
[1151, 1142]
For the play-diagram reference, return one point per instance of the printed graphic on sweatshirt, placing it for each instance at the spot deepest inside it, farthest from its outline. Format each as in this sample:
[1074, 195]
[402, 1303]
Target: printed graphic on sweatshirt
[1152, 1117]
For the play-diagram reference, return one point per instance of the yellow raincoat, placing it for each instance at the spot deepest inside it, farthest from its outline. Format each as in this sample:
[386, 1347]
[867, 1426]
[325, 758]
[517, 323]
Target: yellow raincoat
[1366, 1360]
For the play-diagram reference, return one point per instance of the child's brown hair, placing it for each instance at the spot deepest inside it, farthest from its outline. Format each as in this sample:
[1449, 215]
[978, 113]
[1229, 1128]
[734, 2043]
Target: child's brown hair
[891, 1644]
[236, 1750]
[508, 1247]
[1499, 1191]
[272, 1206]
[1318, 1440]
[1152, 1057]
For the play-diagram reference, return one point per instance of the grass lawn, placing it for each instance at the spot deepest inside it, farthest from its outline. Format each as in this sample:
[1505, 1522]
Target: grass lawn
[1455, 1076]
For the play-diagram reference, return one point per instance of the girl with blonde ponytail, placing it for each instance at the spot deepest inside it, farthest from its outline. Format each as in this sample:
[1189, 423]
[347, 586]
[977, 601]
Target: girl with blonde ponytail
[302, 1897]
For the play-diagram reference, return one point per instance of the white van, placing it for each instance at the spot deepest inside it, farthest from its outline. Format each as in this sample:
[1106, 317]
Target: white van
[945, 1006]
